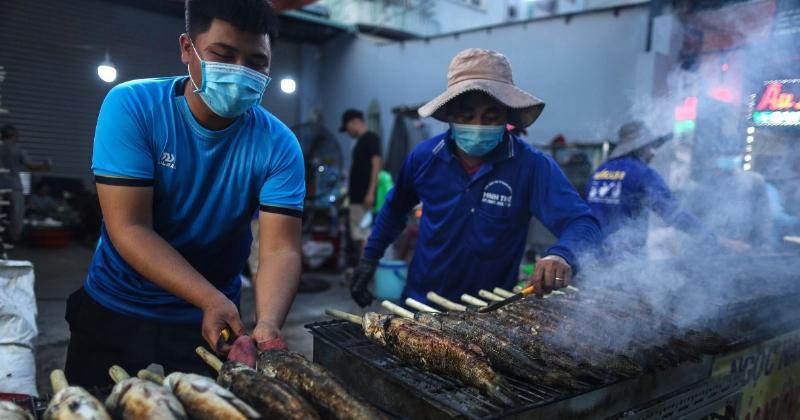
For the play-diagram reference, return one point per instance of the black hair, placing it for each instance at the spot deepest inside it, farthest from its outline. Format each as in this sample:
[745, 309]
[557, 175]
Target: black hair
[8, 131]
[252, 16]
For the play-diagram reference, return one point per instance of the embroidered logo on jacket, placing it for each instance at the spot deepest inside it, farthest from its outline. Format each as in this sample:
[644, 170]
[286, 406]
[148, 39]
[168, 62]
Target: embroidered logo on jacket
[167, 160]
[497, 193]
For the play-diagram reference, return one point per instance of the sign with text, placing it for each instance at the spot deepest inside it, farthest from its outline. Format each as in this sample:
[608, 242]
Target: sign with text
[778, 104]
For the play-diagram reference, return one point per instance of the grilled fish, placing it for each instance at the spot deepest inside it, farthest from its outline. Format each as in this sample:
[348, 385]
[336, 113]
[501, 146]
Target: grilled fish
[319, 386]
[270, 397]
[71, 402]
[431, 350]
[204, 399]
[137, 399]
[11, 411]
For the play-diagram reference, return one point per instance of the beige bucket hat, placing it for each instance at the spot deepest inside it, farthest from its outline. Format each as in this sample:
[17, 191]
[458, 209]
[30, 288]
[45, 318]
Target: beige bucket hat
[476, 69]
[635, 135]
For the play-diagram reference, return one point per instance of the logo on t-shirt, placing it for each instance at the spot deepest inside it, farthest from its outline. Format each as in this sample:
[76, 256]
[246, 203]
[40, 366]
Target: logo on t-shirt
[168, 160]
[497, 193]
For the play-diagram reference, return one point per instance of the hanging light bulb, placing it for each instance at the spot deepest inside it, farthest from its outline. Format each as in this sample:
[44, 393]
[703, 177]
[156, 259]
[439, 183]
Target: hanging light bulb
[288, 85]
[106, 70]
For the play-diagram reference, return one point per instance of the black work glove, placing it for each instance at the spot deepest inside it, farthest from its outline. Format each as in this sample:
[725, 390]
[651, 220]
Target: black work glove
[361, 278]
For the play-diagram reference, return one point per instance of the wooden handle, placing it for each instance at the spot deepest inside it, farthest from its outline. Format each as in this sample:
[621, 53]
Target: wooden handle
[444, 303]
[209, 358]
[420, 306]
[355, 319]
[397, 310]
[573, 288]
[502, 292]
[118, 374]
[529, 290]
[490, 296]
[58, 380]
[150, 376]
[472, 300]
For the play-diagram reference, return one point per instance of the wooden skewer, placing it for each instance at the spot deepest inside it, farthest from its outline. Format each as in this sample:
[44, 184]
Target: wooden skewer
[355, 319]
[58, 380]
[420, 306]
[397, 309]
[472, 300]
[489, 295]
[118, 374]
[209, 358]
[444, 303]
[573, 288]
[150, 376]
[502, 292]
[516, 289]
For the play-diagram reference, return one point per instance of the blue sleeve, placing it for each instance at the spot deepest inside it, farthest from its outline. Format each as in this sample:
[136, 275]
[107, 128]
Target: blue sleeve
[121, 144]
[285, 187]
[662, 202]
[559, 207]
[393, 216]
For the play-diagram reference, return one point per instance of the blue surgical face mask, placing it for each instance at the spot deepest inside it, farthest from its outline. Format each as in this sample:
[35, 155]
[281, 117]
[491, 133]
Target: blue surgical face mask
[229, 89]
[477, 140]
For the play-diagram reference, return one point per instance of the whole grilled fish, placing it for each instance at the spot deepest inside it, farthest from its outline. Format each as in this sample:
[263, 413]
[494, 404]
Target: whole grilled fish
[137, 399]
[319, 386]
[431, 350]
[11, 411]
[502, 353]
[72, 402]
[270, 397]
[204, 399]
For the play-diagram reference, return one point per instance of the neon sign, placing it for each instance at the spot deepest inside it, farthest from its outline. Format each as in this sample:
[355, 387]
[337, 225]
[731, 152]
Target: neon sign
[778, 104]
[685, 115]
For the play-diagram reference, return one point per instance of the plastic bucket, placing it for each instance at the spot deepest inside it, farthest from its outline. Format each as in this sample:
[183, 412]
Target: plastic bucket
[390, 279]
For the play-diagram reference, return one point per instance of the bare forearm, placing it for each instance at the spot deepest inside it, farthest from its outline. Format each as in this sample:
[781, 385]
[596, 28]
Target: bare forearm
[276, 285]
[152, 257]
[377, 165]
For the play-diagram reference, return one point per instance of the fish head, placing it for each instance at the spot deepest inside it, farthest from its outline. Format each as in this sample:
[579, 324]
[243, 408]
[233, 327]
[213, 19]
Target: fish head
[374, 325]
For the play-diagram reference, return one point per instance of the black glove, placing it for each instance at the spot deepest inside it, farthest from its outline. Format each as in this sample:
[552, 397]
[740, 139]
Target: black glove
[361, 278]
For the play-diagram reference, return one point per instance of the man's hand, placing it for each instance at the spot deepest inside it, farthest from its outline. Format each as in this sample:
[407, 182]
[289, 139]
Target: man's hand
[734, 245]
[268, 337]
[363, 275]
[369, 201]
[219, 313]
[552, 272]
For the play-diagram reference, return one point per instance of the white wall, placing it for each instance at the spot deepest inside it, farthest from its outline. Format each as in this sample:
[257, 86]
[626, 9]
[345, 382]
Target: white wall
[457, 15]
[585, 70]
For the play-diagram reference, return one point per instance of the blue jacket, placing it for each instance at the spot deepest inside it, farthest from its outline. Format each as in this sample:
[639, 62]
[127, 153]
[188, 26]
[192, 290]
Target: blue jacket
[473, 229]
[622, 192]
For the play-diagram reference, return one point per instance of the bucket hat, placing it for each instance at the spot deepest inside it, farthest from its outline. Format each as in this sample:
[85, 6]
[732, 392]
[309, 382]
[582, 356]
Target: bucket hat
[633, 136]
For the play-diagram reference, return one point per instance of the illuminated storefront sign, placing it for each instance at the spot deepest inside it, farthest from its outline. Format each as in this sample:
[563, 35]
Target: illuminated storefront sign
[778, 104]
[686, 115]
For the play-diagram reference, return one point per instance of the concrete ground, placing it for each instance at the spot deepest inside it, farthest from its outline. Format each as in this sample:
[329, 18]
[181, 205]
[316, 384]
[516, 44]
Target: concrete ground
[61, 271]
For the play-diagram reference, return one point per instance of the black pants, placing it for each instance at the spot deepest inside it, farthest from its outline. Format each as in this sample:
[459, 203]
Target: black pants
[101, 338]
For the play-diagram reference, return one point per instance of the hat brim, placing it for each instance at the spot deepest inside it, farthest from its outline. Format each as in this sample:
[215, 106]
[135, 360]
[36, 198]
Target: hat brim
[526, 106]
[629, 148]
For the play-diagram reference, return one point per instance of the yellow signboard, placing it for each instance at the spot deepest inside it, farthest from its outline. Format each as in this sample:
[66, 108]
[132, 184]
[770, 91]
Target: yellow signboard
[772, 378]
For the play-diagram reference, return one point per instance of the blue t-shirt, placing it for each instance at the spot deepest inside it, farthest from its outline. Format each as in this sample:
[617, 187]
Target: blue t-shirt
[206, 186]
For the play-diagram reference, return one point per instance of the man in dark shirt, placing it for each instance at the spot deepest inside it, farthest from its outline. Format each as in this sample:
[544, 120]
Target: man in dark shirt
[364, 169]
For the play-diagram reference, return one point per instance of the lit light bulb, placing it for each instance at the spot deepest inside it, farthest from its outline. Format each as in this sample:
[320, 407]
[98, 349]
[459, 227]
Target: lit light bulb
[750, 139]
[288, 85]
[748, 158]
[107, 72]
[747, 166]
[751, 130]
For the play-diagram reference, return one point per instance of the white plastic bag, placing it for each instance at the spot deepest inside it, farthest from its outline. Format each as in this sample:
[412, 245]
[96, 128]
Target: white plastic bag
[17, 328]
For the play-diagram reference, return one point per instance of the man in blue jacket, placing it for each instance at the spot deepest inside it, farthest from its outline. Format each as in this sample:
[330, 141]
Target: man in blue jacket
[479, 187]
[623, 190]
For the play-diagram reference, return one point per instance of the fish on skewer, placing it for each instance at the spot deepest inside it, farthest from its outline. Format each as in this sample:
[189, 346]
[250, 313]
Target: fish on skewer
[429, 349]
[269, 397]
[316, 384]
[203, 398]
[72, 402]
[137, 399]
[11, 411]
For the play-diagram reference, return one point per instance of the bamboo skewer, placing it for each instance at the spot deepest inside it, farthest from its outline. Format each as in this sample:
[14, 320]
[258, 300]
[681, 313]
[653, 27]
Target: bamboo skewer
[502, 292]
[490, 296]
[355, 319]
[118, 374]
[444, 303]
[472, 300]
[420, 306]
[147, 375]
[209, 358]
[397, 309]
[58, 381]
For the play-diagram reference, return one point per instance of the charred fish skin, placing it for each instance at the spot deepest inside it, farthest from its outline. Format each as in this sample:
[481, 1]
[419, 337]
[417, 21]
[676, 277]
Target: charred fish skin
[11, 411]
[269, 397]
[204, 399]
[431, 350]
[136, 399]
[74, 403]
[316, 384]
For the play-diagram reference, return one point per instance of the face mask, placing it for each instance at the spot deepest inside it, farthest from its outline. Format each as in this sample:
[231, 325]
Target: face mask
[229, 89]
[477, 140]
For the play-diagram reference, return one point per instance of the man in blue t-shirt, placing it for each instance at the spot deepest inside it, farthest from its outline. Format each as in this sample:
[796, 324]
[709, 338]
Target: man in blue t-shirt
[181, 164]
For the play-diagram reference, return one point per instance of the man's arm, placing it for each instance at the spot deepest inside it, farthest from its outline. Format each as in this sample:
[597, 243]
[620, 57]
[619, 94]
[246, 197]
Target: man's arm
[278, 276]
[128, 217]
[377, 165]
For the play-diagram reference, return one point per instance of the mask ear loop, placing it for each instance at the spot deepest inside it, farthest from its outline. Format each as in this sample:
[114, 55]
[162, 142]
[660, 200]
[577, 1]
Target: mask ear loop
[188, 70]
